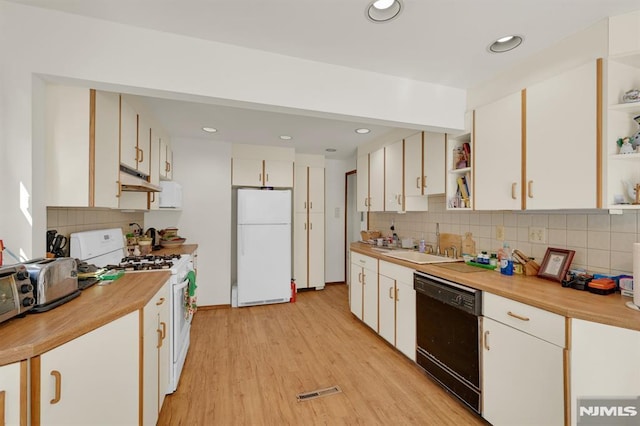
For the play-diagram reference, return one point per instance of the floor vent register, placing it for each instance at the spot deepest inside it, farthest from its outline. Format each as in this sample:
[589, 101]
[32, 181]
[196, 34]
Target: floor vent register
[318, 393]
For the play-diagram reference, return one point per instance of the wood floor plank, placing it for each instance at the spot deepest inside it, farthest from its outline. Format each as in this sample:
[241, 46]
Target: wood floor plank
[246, 366]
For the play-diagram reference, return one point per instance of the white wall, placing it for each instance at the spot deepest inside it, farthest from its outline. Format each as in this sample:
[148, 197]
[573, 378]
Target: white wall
[334, 223]
[204, 170]
[53, 45]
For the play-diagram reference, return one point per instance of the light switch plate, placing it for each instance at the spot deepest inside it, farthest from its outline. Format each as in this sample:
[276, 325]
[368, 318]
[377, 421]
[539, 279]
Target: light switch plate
[499, 232]
[537, 235]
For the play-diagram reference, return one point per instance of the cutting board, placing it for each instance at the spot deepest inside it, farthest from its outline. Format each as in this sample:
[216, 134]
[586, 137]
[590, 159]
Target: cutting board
[448, 240]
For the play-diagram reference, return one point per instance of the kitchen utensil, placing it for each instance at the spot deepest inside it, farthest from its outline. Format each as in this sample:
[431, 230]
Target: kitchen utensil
[51, 235]
[58, 245]
[155, 237]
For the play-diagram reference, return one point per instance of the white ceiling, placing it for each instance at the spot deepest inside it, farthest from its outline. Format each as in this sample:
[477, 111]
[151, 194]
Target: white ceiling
[440, 41]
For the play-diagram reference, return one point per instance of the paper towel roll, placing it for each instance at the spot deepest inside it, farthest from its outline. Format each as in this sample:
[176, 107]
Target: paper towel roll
[636, 274]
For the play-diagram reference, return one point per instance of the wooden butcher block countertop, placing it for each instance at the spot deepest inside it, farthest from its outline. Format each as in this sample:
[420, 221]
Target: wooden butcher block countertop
[538, 292]
[34, 334]
[183, 249]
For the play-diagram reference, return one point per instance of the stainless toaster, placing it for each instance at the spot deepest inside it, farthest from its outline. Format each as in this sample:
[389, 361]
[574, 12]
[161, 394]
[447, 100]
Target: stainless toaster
[55, 281]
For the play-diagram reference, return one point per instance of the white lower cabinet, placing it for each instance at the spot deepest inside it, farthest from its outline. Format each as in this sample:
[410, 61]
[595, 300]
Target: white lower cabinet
[93, 379]
[522, 373]
[10, 388]
[593, 344]
[397, 307]
[363, 289]
[155, 355]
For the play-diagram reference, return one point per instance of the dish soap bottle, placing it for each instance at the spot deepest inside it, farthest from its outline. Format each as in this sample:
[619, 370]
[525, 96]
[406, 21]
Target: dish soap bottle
[422, 246]
[506, 260]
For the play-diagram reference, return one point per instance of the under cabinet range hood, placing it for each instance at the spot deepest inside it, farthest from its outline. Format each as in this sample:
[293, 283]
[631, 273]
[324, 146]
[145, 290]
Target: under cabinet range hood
[134, 181]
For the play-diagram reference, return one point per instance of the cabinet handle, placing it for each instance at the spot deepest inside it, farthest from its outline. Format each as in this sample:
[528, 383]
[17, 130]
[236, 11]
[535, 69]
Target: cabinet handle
[119, 189]
[310, 226]
[141, 156]
[390, 295]
[58, 379]
[267, 177]
[310, 205]
[160, 302]
[260, 177]
[397, 294]
[137, 154]
[513, 190]
[305, 226]
[305, 205]
[362, 261]
[520, 317]
[153, 197]
[486, 340]
[418, 182]
[530, 188]
[159, 338]
[359, 277]
[164, 329]
[399, 198]
[424, 181]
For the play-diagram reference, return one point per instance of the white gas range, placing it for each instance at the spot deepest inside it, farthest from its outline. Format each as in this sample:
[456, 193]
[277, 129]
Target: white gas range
[106, 248]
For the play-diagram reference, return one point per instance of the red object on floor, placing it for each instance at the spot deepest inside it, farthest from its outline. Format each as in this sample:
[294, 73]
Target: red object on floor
[293, 291]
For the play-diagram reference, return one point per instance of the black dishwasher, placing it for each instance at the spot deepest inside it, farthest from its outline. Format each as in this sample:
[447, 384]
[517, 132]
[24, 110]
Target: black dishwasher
[447, 327]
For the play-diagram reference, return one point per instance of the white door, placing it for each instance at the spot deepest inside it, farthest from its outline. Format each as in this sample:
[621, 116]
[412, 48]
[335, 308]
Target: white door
[406, 319]
[278, 173]
[362, 187]
[264, 263]
[376, 181]
[316, 190]
[393, 177]
[433, 177]
[300, 253]
[316, 250]
[246, 172]
[386, 295]
[128, 134]
[370, 298]
[355, 290]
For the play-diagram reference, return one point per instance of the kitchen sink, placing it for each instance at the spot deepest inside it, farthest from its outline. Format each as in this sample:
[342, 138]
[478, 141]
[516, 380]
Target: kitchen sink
[416, 257]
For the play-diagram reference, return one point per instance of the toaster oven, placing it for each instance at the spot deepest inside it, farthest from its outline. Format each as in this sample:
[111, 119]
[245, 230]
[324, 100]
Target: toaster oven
[16, 291]
[55, 281]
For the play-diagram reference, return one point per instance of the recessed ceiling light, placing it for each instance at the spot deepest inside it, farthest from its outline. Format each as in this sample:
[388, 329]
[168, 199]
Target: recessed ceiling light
[505, 44]
[383, 10]
[210, 129]
[331, 150]
[362, 131]
[286, 137]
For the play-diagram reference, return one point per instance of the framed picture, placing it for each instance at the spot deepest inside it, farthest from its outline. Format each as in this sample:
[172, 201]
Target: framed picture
[555, 264]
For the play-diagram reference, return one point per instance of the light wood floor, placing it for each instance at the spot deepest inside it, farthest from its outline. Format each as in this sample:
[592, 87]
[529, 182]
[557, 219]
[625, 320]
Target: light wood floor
[247, 365]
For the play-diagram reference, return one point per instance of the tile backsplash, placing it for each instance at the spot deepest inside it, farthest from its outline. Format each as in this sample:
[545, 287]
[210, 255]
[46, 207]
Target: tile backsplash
[603, 243]
[69, 220]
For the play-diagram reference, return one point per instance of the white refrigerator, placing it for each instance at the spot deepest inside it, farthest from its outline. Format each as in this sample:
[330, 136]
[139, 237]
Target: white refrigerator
[264, 246]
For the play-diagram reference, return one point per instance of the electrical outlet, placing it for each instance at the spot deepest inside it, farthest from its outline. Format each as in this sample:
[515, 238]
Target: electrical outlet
[537, 235]
[500, 233]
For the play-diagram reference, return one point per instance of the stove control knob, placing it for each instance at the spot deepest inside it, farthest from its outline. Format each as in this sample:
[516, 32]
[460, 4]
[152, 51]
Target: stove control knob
[458, 300]
[26, 288]
[22, 275]
[28, 301]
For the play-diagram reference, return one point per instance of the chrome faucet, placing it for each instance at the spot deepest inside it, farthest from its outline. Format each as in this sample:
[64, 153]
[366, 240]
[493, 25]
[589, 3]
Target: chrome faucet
[454, 249]
[437, 239]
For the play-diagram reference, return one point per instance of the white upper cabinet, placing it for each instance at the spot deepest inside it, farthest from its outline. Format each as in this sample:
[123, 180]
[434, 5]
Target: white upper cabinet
[413, 166]
[498, 154]
[362, 183]
[247, 172]
[433, 174]
[562, 140]
[144, 145]
[166, 158]
[258, 166]
[393, 189]
[278, 173]
[128, 135]
[424, 171]
[376, 181]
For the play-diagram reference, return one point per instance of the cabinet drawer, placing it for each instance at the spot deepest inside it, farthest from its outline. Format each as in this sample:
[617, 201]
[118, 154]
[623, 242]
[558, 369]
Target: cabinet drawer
[396, 272]
[537, 322]
[366, 262]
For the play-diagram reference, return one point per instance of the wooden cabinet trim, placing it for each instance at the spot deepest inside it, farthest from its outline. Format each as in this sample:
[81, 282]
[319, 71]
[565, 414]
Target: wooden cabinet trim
[599, 133]
[35, 390]
[523, 160]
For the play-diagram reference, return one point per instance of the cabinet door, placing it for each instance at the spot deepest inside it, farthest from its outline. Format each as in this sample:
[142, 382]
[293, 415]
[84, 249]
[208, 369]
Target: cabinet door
[523, 377]
[393, 172]
[154, 167]
[386, 296]
[106, 164]
[144, 145]
[96, 372]
[278, 173]
[301, 253]
[376, 181]
[300, 186]
[165, 158]
[128, 134]
[406, 319]
[316, 250]
[370, 298]
[498, 154]
[561, 141]
[355, 290]
[164, 358]
[151, 344]
[316, 190]
[433, 175]
[10, 388]
[591, 343]
[246, 172]
[413, 156]
[362, 183]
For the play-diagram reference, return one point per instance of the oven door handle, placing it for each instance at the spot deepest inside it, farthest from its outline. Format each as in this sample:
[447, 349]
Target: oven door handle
[183, 284]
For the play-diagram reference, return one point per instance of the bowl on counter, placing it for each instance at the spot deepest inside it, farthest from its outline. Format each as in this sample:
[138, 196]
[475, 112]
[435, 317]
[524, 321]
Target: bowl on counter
[172, 243]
